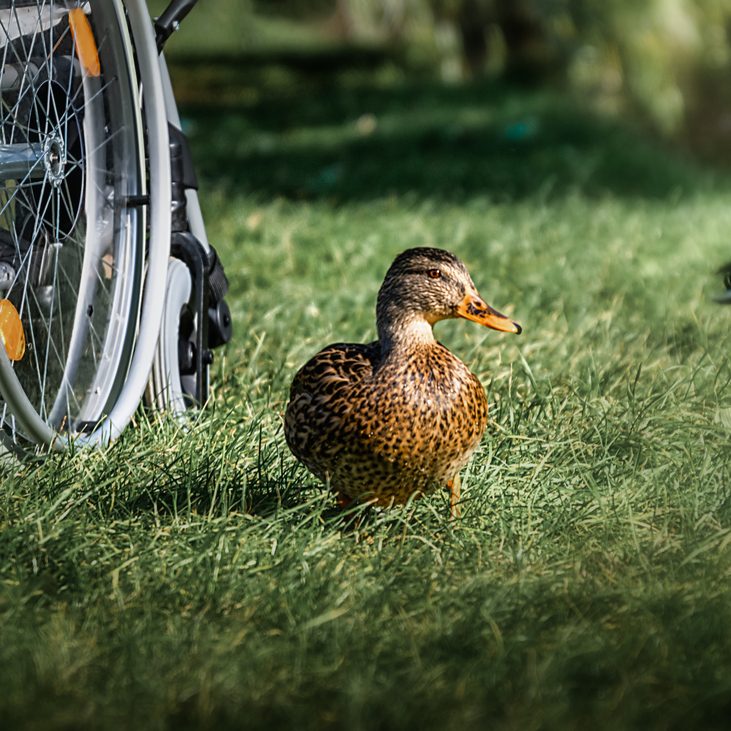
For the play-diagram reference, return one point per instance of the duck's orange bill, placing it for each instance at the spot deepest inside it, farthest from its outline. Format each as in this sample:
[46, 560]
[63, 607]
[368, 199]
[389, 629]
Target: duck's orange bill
[11, 331]
[476, 309]
[84, 42]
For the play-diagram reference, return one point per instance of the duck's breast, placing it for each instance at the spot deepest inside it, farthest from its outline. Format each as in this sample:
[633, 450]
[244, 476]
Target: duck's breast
[428, 411]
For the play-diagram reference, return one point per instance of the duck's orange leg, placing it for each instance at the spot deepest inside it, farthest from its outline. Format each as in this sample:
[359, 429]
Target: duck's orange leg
[454, 487]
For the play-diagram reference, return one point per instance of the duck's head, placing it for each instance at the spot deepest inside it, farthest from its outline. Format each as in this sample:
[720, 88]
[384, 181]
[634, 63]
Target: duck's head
[426, 285]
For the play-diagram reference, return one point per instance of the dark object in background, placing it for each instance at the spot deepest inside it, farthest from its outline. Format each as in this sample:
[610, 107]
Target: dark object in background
[725, 272]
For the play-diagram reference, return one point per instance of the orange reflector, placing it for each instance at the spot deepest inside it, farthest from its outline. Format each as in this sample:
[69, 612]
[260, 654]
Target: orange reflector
[11, 330]
[84, 41]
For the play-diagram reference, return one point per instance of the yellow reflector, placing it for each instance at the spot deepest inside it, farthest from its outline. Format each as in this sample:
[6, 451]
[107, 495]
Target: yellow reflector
[11, 330]
[84, 41]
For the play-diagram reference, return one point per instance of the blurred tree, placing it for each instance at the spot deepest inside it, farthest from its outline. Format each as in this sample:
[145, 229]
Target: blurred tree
[511, 30]
[528, 52]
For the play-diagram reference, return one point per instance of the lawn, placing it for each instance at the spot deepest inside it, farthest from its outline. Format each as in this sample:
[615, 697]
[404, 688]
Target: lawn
[199, 578]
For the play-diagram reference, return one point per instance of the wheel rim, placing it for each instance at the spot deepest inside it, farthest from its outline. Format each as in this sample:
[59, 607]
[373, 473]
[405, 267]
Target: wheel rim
[69, 242]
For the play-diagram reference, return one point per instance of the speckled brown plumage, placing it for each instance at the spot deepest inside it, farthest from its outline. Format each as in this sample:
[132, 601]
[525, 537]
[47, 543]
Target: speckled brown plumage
[400, 415]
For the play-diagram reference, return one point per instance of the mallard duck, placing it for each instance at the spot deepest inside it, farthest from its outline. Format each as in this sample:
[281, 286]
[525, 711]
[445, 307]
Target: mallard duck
[400, 416]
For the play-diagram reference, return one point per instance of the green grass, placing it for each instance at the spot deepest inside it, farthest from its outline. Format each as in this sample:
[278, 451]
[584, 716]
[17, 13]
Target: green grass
[199, 578]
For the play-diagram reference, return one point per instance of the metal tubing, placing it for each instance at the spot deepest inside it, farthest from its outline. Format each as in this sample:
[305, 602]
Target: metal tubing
[170, 19]
[195, 217]
[20, 161]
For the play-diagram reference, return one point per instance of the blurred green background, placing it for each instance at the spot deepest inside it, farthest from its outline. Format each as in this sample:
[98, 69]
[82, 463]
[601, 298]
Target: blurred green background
[663, 63]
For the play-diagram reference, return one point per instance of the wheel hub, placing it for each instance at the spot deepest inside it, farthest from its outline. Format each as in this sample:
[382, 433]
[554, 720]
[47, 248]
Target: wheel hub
[54, 159]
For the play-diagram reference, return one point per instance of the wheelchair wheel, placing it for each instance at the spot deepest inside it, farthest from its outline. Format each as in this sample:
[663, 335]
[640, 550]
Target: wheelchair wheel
[73, 217]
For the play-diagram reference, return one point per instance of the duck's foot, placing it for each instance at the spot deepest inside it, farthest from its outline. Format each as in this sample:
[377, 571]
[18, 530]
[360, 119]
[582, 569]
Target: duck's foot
[353, 516]
[343, 501]
[454, 487]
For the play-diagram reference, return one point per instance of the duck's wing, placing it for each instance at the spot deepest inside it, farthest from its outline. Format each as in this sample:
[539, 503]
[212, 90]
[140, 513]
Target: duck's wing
[337, 367]
[323, 393]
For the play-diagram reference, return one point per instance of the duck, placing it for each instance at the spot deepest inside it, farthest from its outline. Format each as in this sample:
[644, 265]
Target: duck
[401, 416]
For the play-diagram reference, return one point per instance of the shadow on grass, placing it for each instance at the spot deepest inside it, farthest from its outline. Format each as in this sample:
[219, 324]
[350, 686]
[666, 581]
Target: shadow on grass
[200, 493]
[271, 488]
[348, 142]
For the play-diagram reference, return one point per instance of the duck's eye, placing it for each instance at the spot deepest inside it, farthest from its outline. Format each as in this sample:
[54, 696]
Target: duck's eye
[434, 273]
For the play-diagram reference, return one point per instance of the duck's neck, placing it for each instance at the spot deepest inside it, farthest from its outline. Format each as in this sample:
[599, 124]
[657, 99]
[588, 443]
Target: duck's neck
[402, 331]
